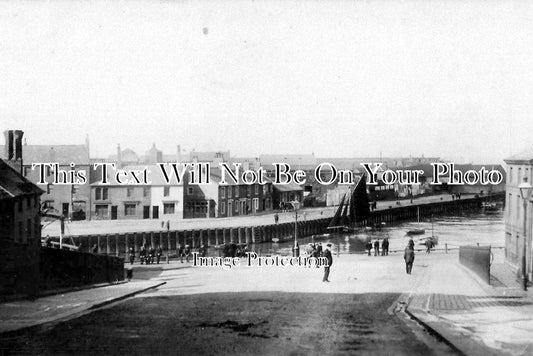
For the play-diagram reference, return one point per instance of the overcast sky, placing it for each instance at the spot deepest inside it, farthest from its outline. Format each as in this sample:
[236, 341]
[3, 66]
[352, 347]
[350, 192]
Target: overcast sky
[338, 78]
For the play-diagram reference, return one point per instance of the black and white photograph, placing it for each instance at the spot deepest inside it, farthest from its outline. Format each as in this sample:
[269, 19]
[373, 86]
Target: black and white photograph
[262, 177]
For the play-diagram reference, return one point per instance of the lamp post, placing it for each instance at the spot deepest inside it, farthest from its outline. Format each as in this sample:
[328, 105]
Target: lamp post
[525, 191]
[296, 249]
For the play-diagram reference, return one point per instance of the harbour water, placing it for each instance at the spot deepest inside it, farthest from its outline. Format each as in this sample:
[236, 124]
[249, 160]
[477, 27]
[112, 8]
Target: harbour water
[468, 229]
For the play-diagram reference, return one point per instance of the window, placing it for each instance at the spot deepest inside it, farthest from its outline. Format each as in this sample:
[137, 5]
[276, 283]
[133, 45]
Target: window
[236, 206]
[169, 208]
[129, 209]
[189, 191]
[129, 192]
[19, 203]
[256, 203]
[21, 232]
[28, 230]
[256, 189]
[146, 192]
[249, 190]
[222, 192]
[236, 190]
[101, 211]
[28, 202]
[166, 191]
[222, 209]
[100, 194]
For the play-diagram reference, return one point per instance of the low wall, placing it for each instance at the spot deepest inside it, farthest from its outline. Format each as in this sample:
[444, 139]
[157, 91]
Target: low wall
[477, 259]
[19, 268]
[63, 268]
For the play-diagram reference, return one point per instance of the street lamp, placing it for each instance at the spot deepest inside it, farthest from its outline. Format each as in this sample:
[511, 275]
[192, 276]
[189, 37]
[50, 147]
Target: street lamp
[296, 205]
[525, 191]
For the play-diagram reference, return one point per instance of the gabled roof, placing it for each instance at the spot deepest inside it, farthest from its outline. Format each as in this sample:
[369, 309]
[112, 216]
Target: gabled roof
[62, 154]
[13, 184]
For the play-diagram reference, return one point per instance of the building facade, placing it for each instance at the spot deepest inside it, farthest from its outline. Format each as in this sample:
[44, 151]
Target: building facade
[20, 228]
[519, 167]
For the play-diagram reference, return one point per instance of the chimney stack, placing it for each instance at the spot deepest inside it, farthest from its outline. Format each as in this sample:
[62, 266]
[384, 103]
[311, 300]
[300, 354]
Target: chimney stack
[9, 144]
[14, 148]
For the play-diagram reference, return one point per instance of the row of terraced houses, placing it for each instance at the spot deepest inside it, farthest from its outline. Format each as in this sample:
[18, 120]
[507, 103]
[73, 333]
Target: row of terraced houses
[157, 200]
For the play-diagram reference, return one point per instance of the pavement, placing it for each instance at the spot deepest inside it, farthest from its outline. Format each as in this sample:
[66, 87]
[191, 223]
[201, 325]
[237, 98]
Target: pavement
[451, 302]
[23, 314]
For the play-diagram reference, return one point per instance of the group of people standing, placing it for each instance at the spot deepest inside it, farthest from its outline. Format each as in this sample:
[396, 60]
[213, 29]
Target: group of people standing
[384, 247]
[147, 255]
[316, 250]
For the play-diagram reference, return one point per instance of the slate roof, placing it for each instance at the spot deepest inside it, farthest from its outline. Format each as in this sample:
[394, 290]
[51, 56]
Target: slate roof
[13, 184]
[524, 157]
[62, 154]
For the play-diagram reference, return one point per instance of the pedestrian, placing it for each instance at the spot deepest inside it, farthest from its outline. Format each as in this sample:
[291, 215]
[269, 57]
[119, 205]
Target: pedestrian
[204, 250]
[162, 224]
[142, 254]
[376, 248]
[429, 245]
[187, 252]
[319, 250]
[132, 255]
[276, 218]
[159, 253]
[151, 254]
[168, 225]
[179, 250]
[310, 251]
[329, 257]
[368, 246]
[409, 257]
[385, 247]
[411, 243]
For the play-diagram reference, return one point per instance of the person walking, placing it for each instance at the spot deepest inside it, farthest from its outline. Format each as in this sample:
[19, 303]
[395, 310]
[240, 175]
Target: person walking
[159, 253]
[409, 257]
[329, 257]
[319, 250]
[132, 255]
[276, 218]
[385, 247]
[179, 250]
[187, 252]
[368, 246]
[376, 248]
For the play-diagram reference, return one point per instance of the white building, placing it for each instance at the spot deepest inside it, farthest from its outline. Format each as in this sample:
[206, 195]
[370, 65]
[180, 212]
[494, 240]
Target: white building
[519, 166]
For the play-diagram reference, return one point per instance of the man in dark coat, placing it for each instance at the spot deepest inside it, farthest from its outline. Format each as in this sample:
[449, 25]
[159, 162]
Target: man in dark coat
[319, 250]
[327, 254]
[385, 247]
[376, 248]
[409, 257]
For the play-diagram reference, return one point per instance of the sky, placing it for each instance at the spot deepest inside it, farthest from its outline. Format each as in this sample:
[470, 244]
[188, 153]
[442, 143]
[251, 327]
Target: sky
[451, 79]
